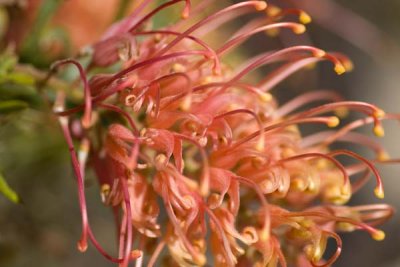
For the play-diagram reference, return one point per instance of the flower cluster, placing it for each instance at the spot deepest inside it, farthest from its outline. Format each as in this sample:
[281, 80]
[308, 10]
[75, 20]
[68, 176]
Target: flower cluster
[198, 160]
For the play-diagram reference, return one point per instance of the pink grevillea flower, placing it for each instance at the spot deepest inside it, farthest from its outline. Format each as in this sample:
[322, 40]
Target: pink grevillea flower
[202, 166]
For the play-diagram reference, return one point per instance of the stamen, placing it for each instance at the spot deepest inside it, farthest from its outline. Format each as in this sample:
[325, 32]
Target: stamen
[332, 120]
[123, 113]
[346, 62]
[336, 255]
[295, 27]
[260, 144]
[101, 250]
[339, 68]
[86, 120]
[185, 12]
[379, 186]
[156, 59]
[346, 180]
[265, 232]
[198, 258]
[268, 58]
[305, 99]
[366, 108]
[281, 73]
[214, 56]
[156, 253]
[128, 242]
[374, 214]
[355, 138]
[227, 249]
[162, 79]
[375, 233]
[265, 97]
[277, 13]
[59, 106]
[205, 183]
[258, 5]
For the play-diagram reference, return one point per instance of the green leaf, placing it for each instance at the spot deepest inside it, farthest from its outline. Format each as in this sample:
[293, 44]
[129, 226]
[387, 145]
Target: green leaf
[7, 61]
[6, 190]
[21, 78]
[9, 106]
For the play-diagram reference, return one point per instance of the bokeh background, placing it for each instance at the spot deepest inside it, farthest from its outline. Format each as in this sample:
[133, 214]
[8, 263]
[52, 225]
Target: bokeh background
[44, 228]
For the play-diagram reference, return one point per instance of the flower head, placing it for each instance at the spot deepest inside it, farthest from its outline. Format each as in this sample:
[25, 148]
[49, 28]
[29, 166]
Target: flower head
[196, 158]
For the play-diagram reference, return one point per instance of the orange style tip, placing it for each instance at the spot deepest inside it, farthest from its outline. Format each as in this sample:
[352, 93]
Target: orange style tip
[185, 105]
[264, 236]
[200, 259]
[379, 131]
[135, 254]
[260, 5]
[265, 97]
[217, 71]
[348, 65]
[260, 145]
[185, 15]
[333, 122]
[379, 113]
[319, 53]
[310, 66]
[340, 69]
[304, 18]
[299, 29]
[250, 235]
[82, 246]
[161, 161]
[272, 32]
[383, 156]
[378, 235]
[105, 188]
[86, 122]
[379, 193]
[342, 112]
[204, 190]
[273, 11]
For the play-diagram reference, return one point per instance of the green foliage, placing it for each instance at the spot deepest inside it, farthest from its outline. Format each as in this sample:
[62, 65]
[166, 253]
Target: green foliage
[32, 50]
[16, 86]
[7, 191]
[12, 106]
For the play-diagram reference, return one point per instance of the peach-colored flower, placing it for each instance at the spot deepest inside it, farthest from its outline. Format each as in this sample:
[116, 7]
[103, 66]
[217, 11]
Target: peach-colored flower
[206, 160]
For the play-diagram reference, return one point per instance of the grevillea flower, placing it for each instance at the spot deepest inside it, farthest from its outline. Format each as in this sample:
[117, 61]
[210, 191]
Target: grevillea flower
[199, 162]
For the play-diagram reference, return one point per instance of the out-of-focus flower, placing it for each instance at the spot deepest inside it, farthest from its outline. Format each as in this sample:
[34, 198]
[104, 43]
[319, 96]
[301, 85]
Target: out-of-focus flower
[51, 28]
[204, 159]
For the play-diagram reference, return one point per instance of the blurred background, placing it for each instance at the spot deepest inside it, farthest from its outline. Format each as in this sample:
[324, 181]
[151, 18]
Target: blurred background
[43, 229]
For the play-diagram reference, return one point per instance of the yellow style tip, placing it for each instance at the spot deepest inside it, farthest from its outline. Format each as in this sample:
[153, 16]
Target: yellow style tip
[265, 97]
[340, 69]
[379, 113]
[333, 122]
[342, 112]
[378, 235]
[383, 155]
[379, 193]
[299, 29]
[273, 11]
[348, 65]
[379, 131]
[261, 5]
[304, 18]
